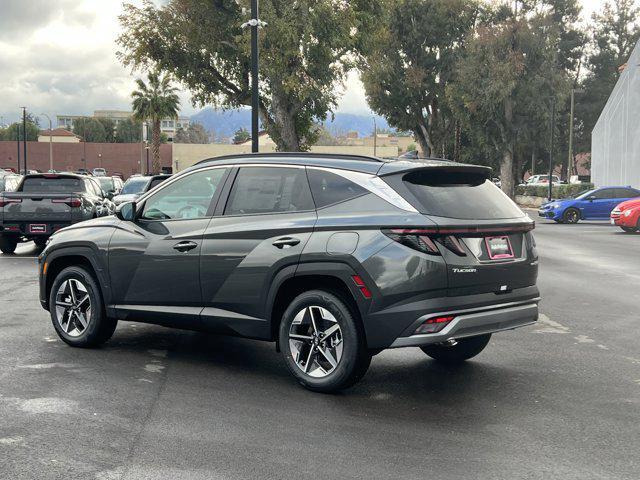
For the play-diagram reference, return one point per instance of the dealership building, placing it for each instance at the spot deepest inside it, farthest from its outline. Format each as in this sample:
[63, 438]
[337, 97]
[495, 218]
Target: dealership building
[615, 140]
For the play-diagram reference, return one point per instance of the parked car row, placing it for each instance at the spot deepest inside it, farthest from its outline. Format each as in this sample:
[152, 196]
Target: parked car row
[620, 205]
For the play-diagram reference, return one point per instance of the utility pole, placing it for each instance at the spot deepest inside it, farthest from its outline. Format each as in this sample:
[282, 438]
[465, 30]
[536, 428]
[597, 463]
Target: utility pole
[50, 142]
[24, 131]
[571, 159]
[553, 127]
[255, 23]
[254, 76]
[18, 143]
[375, 137]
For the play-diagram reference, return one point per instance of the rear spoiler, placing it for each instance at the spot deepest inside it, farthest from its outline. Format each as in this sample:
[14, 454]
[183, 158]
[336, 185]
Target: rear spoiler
[404, 166]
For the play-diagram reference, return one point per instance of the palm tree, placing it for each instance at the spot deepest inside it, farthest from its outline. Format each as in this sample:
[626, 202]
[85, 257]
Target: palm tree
[155, 101]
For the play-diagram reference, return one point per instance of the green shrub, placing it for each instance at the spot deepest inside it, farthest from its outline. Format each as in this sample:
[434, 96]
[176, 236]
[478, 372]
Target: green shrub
[558, 191]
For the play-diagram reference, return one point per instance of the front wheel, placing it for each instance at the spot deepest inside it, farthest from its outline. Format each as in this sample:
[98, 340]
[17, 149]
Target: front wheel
[77, 309]
[323, 345]
[464, 349]
[571, 215]
[8, 244]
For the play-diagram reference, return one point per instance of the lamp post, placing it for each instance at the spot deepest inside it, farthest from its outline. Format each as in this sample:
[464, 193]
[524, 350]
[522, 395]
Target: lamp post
[375, 137]
[571, 159]
[254, 23]
[551, 139]
[100, 160]
[146, 147]
[24, 139]
[50, 141]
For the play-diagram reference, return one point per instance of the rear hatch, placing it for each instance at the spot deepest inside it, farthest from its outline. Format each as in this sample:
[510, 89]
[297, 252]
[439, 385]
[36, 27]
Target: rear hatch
[43, 198]
[481, 234]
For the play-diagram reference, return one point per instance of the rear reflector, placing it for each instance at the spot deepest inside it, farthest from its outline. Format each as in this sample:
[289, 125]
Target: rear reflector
[11, 228]
[366, 293]
[434, 324]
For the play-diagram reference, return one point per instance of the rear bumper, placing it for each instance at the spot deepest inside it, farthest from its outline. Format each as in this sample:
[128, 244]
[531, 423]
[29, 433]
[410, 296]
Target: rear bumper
[472, 322]
[32, 229]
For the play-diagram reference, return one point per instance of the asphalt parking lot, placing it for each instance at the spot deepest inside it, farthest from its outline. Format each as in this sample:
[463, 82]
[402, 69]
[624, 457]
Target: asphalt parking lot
[558, 400]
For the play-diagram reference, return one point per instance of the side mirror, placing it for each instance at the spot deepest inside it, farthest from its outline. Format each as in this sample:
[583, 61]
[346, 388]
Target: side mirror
[126, 211]
[591, 198]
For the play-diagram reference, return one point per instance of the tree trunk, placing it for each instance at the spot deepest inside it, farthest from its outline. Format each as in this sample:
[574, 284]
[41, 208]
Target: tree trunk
[457, 140]
[424, 140]
[155, 146]
[506, 171]
[284, 125]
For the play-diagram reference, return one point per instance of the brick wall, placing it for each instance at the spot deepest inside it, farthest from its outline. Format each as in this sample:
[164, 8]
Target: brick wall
[116, 157]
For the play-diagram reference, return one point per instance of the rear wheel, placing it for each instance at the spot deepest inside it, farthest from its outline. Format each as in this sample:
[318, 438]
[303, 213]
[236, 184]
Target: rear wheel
[464, 349]
[77, 310]
[322, 343]
[630, 229]
[571, 215]
[8, 244]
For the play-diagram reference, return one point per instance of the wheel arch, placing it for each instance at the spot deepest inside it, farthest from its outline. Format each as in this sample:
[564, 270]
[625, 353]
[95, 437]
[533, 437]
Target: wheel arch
[333, 277]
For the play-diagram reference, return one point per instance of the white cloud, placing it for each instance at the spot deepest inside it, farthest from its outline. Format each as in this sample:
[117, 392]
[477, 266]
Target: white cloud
[59, 57]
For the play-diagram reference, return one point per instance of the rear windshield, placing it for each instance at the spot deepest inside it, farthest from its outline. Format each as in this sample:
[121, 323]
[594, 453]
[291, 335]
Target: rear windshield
[106, 183]
[52, 185]
[157, 181]
[463, 195]
[134, 185]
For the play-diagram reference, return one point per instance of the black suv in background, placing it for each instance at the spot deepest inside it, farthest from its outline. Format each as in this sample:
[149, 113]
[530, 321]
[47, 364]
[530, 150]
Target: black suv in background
[137, 186]
[334, 258]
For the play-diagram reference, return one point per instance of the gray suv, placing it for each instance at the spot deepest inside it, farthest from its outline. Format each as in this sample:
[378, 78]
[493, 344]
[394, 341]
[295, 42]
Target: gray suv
[333, 258]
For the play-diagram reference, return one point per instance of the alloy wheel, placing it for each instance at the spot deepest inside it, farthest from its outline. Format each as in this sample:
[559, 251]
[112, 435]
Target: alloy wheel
[315, 341]
[73, 307]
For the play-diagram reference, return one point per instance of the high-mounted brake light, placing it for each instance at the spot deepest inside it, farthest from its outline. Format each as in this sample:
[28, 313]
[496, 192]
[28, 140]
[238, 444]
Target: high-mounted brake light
[366, 293]
[7, 201]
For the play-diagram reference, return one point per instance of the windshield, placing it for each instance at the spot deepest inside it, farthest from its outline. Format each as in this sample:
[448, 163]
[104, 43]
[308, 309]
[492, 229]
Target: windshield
[463, 195]
[157, 181]
[135, 185]
[106, 183]
[581, 195]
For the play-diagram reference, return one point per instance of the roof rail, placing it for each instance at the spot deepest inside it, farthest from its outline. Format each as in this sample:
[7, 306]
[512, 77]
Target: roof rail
[336, 156]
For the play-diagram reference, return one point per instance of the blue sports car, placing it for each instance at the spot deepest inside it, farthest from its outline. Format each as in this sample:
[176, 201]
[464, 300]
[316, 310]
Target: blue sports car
[590, 205]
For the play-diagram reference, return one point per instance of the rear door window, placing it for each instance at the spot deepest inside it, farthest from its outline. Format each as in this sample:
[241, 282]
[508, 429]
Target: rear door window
[463, 195]
[52, 185]
[328, 188]
[262, 190]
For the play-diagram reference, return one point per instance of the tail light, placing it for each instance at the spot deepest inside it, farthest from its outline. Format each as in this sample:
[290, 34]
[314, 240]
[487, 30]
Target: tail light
[72, 202]
[417, 239]
[8, 201]
[434, 324]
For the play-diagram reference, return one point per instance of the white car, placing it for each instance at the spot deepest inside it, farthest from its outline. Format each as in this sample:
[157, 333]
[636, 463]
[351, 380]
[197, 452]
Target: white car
[99, 172]
[542, 180]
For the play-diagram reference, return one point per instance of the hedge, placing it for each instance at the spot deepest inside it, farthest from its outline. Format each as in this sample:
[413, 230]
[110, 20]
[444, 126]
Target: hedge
[558, 191]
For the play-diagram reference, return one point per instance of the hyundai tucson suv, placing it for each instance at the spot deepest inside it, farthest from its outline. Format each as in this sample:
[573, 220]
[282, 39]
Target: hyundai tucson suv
[333, 258]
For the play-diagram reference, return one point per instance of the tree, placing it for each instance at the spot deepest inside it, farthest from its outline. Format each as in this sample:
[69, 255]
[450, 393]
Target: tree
[615, 31]
[90, 130]
[506, 83]
[242, 135]
[109, 129]
[304, 55]
[11, 132]
[128, 131]
[155, 101]
[410, 63]
[194, 133]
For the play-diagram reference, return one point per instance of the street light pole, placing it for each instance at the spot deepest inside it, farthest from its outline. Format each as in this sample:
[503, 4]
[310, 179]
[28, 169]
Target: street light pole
[254, 76]
[18, 143]
[571, 159]
[50, 141]
[375, 137]
[24, 131]
[553, 127]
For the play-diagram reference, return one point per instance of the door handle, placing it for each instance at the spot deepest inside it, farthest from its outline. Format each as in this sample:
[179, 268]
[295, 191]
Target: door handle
[185, 246]
[286, 242]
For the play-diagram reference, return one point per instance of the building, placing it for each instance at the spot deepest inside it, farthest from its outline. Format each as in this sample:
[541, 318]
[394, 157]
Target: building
[615, 139]
[58, 135]
[168, 126]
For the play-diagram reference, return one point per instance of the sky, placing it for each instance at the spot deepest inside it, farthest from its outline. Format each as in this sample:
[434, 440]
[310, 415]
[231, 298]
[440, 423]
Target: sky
[59, 57]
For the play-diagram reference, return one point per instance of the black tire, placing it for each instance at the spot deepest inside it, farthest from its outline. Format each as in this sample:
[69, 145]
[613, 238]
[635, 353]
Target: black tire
[8, 244]
[99, 327]
[465, 349]
[629, 229]
[355, 359]
[571, 215]
[40, 242]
